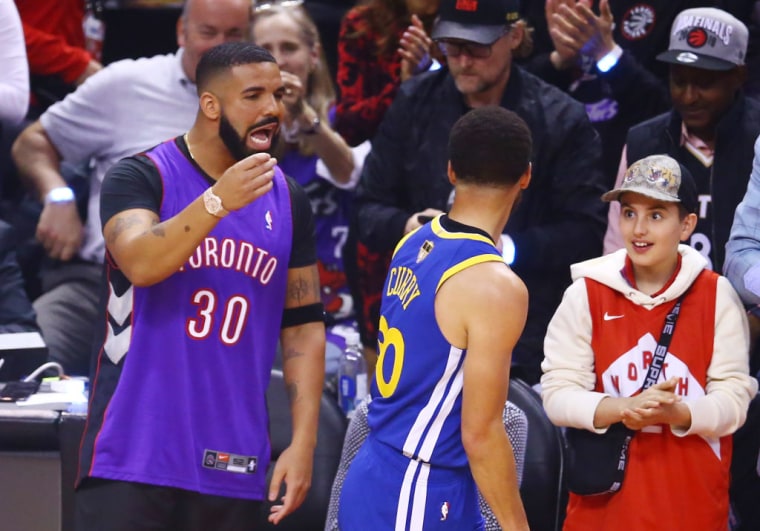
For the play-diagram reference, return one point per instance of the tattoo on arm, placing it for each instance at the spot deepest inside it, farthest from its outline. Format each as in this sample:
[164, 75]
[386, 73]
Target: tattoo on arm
[298, 289]
[121, 225]
[301, 287]
[290, 353]
[157, 229]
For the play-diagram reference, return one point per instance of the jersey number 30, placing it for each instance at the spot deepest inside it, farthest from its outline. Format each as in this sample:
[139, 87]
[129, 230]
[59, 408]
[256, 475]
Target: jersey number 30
[234, 317]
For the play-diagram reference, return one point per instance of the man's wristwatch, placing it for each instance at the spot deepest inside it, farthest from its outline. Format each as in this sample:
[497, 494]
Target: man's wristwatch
[213, 203]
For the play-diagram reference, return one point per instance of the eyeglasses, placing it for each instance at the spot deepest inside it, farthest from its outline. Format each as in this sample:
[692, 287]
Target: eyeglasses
[473, 49]
[258, 8]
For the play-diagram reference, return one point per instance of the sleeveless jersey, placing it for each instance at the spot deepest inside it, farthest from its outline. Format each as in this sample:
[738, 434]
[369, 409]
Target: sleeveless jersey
[670, 482]
[178, 398]
[417, 391]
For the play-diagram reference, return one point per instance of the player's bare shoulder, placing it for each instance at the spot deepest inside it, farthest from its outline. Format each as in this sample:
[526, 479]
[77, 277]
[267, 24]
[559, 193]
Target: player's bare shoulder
[487, 285]
[497, 284]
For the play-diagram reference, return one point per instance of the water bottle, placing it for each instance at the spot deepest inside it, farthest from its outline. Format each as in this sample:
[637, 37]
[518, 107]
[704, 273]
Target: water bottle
[352, 375]
[94, 29]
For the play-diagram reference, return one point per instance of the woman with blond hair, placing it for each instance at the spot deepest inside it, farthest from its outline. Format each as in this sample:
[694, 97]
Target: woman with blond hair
[311, 152]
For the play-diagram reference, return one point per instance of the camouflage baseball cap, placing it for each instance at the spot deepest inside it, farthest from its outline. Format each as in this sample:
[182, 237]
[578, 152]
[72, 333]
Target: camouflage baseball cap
[659, 177]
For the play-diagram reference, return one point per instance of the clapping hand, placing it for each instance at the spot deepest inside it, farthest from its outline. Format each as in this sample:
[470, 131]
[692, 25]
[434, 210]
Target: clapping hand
[414, 48]
[576, 30]
[658, 404]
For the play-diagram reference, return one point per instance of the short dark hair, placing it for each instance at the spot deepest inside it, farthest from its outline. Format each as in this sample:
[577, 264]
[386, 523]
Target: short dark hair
[224, 56]
[490, 145]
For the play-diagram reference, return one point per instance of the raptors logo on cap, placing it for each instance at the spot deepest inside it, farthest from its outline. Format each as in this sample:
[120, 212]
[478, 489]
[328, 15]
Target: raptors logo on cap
[697, 38]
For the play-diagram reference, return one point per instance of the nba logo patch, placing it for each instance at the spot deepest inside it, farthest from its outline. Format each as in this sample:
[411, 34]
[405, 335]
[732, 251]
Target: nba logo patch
[445, 510]
[268, 220]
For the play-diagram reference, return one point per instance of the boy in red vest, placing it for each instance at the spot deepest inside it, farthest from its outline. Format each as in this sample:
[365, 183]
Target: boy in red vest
[600, 344]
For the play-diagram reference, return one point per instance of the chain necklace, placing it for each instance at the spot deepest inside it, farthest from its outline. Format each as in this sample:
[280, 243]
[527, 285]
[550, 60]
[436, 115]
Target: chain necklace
[187, 143]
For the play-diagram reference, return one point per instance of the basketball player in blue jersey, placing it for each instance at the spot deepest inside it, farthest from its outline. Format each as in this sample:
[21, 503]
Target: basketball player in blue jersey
[210, 259]
[451, 312]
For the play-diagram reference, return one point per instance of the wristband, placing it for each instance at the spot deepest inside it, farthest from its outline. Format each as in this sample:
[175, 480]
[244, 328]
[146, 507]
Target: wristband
[311, 313]
[608, 62]
[61, 194]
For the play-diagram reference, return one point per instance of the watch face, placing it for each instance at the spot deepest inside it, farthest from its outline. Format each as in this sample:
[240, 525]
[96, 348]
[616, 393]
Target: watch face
[215, 203]
[212, 202]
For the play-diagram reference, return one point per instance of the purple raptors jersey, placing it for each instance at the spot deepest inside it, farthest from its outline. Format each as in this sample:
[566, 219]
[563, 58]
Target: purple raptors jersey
[178, 397]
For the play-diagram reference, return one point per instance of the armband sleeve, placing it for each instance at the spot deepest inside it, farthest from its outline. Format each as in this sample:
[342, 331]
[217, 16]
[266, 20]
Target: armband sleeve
[311, 313]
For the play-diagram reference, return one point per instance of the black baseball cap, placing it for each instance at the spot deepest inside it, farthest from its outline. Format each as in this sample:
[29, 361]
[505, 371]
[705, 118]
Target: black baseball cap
[481, 21]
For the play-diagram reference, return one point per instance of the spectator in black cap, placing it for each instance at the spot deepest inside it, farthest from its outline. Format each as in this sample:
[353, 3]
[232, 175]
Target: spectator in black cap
[559, 220]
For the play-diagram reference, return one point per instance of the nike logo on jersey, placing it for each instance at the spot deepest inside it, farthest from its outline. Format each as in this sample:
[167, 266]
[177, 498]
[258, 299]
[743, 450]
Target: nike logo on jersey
[608, 317]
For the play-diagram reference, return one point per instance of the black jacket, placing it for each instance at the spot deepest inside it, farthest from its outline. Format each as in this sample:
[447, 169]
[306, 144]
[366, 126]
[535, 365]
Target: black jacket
[728, 177]
[560, 219]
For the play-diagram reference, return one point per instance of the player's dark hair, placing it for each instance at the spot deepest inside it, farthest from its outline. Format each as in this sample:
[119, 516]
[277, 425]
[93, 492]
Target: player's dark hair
[224, 56]
[490, 145]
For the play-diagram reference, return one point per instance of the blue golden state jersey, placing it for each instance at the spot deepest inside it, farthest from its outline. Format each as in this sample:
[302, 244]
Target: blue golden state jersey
[416, 403]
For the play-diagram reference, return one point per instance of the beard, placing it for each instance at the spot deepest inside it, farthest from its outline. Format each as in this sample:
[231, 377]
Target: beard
[236, 144]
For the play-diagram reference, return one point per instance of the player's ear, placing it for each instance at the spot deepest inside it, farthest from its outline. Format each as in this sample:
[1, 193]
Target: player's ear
[525, 179]
[451, 174]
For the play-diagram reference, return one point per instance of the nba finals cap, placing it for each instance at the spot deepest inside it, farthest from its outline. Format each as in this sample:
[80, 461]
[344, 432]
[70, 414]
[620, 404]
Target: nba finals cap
[705, 37]
[659, 177]
[481, 21]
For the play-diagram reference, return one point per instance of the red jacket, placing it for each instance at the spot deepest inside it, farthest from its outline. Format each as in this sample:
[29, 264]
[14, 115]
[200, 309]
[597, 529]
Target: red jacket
[54, 37]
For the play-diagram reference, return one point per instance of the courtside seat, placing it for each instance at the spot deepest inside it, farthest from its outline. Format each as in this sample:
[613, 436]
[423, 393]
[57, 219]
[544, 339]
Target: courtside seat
[543, 492]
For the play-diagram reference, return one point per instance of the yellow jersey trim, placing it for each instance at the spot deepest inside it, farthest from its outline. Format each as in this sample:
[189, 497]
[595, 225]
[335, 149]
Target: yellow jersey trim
[402, 240]
[461, 266]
